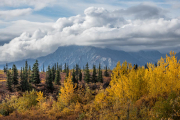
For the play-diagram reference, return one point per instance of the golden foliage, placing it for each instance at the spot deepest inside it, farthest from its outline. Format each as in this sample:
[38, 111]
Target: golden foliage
[142, 93]
[66, 91]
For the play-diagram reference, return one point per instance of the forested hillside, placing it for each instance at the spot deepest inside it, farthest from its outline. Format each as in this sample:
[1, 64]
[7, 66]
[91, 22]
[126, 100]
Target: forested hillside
[127, 92]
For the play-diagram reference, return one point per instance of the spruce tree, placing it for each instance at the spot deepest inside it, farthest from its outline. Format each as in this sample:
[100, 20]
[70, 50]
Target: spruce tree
[58, 76]
[77, 72]
[21, 74]
[87, 74]
[14, 75]
[29, 75]
[136, 67]
[80, 75]
[94, 76]
[4, 69]
[53, 73]
[7, 67]
[74, 77]
[67, 71]
[100, 78]
[106, 72]
[55, 67]
[9, 80]
[29, 70]
[49, 78]
[60, 68]
[24, 80]
[35, 73]
[43, 67]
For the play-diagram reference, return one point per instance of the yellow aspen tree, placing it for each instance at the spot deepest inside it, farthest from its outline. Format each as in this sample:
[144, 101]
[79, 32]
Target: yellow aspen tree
[66, 91]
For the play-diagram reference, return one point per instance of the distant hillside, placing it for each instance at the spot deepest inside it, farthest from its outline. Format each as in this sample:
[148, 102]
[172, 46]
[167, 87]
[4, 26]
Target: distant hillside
[83, 54]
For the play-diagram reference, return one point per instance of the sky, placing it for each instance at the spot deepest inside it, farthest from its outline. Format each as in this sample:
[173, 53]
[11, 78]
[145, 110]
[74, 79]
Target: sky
[34, 28]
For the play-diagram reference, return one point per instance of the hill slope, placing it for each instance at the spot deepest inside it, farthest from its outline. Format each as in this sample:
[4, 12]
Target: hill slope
[83, 54]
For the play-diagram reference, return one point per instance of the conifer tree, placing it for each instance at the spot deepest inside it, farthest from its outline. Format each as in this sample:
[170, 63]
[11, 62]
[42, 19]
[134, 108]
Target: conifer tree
[74, 77]
[21, 74]
[145, 66]
[87, 74]
[9, 80]
[7, 67]
[24, 80]
[55, 67]
[60, 68]
[77, 72]
[80, 75]
[67, 71]
[35, 73]
[135, 66]
[49, 80]
[29, 71]
[100, 78]
[58, 76]
[94, 76]
[53, 73]
[14, 75]
[4, 69]
[43, 67]
[106, 72]
[29, 75]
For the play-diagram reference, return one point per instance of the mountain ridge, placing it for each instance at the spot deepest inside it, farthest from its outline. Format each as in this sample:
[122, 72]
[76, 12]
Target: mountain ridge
[82, 54]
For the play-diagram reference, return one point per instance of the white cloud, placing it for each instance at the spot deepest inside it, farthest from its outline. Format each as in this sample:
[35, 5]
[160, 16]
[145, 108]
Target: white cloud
[14, 13]
[37, 4]
[97, 27]
[13, 29]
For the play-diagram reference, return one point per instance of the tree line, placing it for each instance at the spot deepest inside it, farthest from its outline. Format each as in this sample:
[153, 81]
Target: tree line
[28, 76]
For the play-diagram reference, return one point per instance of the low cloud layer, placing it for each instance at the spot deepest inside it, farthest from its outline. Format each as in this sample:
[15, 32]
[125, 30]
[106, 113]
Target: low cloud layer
[136, 28]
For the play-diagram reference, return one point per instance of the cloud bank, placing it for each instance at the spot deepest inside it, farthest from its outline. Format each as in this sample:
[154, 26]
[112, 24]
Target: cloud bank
[136, 28]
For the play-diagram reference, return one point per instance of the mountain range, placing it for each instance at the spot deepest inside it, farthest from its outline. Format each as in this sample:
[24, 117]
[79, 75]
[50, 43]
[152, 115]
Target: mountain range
[80, 55]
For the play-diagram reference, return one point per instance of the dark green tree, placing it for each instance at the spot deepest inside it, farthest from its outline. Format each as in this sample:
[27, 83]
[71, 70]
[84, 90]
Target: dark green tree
[77, 72]
[106, 72]
[9, 80]
[60, 68]
[55, 67]
[100, 78]
[43, 67]
[80, 75]
[53, 73]
[135, 66]
[7, 67]
[14, 75]
[74, 80]
[67, 71]
[94, 76]
[58, 76]
[21, 74]
[35, 73]
[24, 81]
[87, 74]
[29, 74]
[4, 69]
[49, 79]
